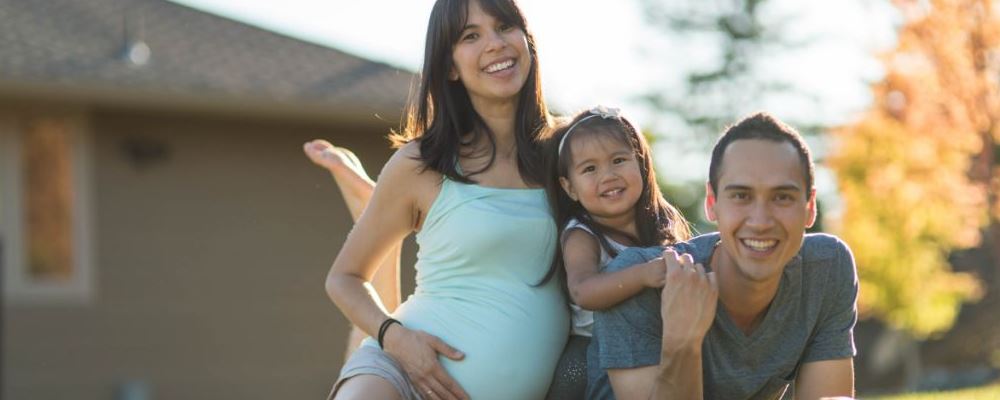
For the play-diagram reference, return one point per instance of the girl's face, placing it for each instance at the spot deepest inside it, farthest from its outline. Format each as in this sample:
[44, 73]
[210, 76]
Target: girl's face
[491, 58]
[604, 177]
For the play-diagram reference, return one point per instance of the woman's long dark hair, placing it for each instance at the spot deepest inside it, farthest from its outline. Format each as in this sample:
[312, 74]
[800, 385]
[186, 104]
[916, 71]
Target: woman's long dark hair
[657, 221]
[440, 114]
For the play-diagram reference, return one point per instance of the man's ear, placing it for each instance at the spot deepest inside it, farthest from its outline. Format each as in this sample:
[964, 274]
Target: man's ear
[811, 209]
[709, 202]
[568, 188]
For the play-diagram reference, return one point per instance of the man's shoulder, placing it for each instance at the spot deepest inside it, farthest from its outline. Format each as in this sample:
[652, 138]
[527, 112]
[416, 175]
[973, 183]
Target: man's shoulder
[700, 247]
[642, 254]
[823, 247]
[633, 255]
[827, 261]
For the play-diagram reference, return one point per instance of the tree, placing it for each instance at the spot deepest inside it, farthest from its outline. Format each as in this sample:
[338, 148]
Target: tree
[916, 173]
[725, 78]
[737, 43]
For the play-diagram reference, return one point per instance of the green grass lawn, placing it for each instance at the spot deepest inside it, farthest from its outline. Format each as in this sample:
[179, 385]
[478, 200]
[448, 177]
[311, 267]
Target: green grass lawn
[988, 392]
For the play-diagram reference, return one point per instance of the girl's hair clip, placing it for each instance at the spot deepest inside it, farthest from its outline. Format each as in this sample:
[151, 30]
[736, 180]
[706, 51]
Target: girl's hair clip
[602, 111]
[606, 112]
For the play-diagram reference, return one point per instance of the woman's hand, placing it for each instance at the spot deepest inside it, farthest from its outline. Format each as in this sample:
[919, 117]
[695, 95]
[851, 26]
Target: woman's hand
[417, 352]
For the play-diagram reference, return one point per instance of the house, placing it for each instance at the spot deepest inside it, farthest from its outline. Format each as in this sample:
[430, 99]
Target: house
[163, 236]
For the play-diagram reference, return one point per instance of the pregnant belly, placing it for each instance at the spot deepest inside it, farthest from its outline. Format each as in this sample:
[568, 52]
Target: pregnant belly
[510, 351]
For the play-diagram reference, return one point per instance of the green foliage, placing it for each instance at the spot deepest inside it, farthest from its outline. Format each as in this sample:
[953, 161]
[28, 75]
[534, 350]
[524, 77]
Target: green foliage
[904, 168]
[989, 392]
[901, 221]
[718, 91]
[689, 199]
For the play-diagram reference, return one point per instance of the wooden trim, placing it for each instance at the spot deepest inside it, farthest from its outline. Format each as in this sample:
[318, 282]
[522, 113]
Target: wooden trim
[293, 109]
[19, 288]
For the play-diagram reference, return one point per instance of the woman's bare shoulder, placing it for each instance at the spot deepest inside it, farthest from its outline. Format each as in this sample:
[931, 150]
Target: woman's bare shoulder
[406, 165]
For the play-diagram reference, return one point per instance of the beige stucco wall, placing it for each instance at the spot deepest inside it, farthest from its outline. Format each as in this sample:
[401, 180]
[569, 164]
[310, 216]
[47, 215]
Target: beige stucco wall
[209, 267]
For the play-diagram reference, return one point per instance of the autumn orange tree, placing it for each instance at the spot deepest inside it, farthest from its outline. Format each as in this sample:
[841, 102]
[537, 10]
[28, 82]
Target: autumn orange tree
[917, 173]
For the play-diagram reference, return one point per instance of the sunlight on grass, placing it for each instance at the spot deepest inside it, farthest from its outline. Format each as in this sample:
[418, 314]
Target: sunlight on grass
[990, 392]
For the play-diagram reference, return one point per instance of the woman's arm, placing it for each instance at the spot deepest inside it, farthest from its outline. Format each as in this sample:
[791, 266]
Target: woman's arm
[593, 290]
[385, 222]
[392, 213]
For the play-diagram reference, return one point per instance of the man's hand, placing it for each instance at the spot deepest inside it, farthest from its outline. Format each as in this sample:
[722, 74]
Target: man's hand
[687, 306]
[687, 303]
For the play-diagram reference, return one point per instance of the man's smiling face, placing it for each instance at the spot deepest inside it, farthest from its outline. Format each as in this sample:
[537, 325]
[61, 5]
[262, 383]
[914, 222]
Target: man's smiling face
[762, 207]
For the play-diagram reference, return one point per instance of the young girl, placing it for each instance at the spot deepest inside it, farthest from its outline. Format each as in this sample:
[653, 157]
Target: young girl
[606, 197]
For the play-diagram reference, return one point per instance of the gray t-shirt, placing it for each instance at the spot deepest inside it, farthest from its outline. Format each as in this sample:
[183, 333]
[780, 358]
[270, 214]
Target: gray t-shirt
[810, 319]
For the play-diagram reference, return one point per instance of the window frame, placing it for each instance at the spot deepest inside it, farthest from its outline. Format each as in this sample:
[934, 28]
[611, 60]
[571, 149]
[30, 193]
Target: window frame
[19, 287]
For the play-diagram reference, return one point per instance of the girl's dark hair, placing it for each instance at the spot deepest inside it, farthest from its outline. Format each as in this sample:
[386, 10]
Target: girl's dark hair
[657, 221]
[440, 114]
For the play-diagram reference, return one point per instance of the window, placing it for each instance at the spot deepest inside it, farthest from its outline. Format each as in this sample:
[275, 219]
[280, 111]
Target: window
[44, 209]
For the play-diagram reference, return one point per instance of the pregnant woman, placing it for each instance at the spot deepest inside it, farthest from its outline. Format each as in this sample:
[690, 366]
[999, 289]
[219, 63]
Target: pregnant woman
[467, 179]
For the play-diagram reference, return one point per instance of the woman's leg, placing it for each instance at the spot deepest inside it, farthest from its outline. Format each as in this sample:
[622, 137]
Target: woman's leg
[357, 188]
[365, 387]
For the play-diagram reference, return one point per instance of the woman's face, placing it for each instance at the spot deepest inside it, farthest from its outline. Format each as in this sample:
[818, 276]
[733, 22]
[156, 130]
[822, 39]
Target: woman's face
[491, 58]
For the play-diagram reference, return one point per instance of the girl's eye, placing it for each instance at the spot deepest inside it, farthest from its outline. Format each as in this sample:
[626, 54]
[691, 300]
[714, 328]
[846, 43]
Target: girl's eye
[506, 27]
[619, 160]
[470, 36]
[589, 168]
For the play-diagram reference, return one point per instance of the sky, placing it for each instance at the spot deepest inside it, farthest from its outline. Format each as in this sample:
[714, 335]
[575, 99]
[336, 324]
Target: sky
[601, 52]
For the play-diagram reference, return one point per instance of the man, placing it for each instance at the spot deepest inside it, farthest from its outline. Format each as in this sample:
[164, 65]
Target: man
[776, 306]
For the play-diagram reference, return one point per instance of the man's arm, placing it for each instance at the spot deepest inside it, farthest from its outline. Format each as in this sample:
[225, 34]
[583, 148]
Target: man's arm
[826, 378]
[677, 377]
[687, 309]
[827, 365]
[633, 383]
[658, 354]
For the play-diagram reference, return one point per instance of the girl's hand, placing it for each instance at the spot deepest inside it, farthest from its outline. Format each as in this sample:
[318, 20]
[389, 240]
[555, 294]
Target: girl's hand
[417, 352]
[654, 273]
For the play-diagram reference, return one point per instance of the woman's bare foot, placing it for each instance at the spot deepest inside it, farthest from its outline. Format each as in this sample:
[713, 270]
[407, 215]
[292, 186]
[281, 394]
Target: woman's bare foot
[335, 159]
[353, 181]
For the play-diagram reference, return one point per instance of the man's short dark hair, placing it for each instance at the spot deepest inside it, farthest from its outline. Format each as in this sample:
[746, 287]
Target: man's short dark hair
[760, 126]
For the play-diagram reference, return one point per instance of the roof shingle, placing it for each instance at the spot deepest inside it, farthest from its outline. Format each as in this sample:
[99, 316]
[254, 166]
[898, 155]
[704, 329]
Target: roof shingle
[72, 42]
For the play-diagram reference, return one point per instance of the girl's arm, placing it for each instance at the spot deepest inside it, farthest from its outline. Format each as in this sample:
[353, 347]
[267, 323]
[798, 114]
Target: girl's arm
[593, 290]
[391, 215]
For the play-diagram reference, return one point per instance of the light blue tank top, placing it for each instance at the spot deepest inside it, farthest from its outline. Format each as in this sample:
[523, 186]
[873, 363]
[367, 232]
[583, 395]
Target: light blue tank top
[481, 250]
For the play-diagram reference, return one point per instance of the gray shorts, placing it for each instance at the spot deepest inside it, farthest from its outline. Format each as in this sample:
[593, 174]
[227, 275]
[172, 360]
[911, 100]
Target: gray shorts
[368, 360]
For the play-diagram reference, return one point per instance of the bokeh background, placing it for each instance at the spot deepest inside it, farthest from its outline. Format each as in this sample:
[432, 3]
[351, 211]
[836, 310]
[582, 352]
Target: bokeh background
[163, 237]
